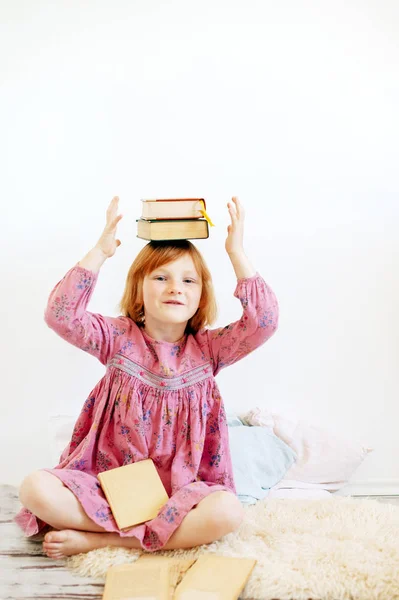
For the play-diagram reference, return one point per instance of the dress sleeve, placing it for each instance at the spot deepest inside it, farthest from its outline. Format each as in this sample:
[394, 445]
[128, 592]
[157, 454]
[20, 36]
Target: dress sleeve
[258, 322]
[66, 314]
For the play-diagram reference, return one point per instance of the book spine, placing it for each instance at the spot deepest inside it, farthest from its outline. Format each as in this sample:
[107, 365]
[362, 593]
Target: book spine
[108, 496]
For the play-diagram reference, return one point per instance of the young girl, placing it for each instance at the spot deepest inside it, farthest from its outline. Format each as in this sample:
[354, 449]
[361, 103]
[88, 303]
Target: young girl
[158, 398]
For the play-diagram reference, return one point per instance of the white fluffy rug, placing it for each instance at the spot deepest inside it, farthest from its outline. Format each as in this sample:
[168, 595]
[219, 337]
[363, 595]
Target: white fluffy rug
[334, 549]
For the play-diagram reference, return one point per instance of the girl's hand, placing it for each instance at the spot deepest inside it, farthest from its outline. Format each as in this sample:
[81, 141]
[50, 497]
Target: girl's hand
[107, 242]
[235, 238]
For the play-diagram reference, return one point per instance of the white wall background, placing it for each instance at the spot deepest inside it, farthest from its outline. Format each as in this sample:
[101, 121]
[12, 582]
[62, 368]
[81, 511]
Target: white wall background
[291, 105]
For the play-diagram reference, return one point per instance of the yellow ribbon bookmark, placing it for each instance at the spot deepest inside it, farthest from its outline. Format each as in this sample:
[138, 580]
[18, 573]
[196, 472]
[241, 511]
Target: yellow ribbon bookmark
[205, 214]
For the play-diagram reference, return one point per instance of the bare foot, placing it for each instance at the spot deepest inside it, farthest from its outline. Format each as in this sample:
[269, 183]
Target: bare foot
[58, 544]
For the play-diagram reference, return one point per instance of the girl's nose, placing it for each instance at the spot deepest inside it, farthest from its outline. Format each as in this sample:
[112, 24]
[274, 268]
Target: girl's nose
[174, 289]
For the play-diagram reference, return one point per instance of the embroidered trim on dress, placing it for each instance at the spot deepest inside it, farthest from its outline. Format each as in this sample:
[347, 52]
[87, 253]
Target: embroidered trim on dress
[162, 383]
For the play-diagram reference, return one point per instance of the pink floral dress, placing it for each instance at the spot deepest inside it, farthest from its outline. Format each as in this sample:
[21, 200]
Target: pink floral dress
[156, 400]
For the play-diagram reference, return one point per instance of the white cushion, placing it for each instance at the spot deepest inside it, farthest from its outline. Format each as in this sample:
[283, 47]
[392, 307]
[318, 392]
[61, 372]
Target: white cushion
[324, 459]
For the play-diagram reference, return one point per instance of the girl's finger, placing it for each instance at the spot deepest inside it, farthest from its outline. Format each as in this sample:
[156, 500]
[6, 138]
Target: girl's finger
[111, 225]
[113, 203]
[232, 211]
[112, 208]
[237, 206]
[116, 221]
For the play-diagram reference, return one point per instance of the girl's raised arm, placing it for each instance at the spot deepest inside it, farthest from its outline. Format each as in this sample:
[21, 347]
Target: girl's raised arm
[66, 310]
[107, 244]
[260, 309]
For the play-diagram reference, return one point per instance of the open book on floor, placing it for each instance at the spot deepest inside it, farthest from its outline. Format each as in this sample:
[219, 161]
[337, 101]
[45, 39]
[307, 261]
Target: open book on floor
[153, 577]
[215, 577]
[149, 581]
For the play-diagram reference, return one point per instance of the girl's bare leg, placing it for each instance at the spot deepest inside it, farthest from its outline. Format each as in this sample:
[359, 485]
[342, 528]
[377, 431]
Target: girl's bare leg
[46, 497]
[49, 499]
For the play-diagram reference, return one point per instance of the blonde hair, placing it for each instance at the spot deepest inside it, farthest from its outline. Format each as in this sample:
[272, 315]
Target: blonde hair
[155, 255]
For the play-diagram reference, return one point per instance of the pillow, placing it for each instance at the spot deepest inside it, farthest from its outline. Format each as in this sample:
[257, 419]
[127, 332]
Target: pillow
[233, 420]
[260, 459]
[324, 460]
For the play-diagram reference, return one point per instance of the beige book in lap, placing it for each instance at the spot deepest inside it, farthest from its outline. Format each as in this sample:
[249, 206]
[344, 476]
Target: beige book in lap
[215, 578]
[134, 492]
[134, 582]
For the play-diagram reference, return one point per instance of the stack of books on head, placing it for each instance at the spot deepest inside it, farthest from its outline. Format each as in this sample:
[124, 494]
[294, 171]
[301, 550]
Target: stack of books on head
[173, 219]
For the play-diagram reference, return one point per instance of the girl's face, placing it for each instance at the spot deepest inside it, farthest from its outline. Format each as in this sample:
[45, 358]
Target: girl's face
[171, 293]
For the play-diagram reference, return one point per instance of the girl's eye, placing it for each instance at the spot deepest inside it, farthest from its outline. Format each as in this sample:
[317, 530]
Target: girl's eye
[189, 281]
[160, 278]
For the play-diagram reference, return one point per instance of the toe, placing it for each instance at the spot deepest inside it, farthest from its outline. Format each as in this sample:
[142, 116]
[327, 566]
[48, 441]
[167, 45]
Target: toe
[55, 556]
[56, 536]
[51, 547]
